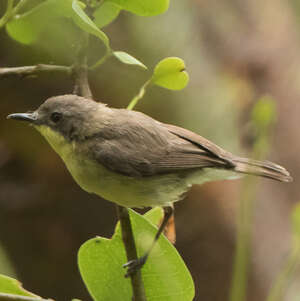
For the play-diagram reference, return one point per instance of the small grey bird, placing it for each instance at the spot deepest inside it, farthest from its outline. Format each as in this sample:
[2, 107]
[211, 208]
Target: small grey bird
[132, 159]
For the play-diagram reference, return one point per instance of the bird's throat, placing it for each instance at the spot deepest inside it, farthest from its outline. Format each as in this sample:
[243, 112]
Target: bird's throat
[57, 141]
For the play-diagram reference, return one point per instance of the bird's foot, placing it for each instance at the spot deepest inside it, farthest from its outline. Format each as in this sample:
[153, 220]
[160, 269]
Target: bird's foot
[134, 265]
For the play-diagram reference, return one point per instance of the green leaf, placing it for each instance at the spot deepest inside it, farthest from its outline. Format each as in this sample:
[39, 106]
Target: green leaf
[155, 215]
[165, 275]
[143, 7]
[128, 59]
[12, 286]
[106, 14]
[83, 21]
[170, 73]
[28, 27]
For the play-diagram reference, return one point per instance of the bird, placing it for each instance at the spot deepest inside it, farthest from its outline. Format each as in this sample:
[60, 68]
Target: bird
[133, 160]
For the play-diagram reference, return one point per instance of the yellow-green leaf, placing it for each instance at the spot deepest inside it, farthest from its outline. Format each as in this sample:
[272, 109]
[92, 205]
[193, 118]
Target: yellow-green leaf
[106, 13]
[143, 7]
[83, 21]
[128, 59]
[170, 73]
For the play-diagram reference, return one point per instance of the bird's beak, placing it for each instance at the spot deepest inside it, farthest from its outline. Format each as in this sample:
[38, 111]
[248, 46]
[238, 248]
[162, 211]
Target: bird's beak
[30, 117]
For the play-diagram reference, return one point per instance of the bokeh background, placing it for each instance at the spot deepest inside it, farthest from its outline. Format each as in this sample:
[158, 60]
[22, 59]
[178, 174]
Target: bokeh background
[236, 51]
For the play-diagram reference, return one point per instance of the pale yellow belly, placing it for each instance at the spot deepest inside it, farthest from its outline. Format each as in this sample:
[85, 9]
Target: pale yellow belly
[123, 190]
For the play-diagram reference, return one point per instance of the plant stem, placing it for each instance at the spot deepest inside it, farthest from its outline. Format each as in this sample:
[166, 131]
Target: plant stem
[8, 13]
[140, 95]
[242, 254]
[102, 60]
[10, 297]
[131, 252]
[80, 70]
[33, 70]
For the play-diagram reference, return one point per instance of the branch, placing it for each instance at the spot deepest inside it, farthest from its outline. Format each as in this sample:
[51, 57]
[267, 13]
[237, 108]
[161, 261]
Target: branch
[128, 240]
[9, 297]
[80, 70]
[33, 70]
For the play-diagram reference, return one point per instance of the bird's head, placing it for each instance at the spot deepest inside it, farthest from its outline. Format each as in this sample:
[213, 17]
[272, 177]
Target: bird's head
[66, 117]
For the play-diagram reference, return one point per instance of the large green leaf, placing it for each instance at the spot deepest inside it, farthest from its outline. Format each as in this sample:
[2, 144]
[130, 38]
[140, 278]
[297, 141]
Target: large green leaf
[86, 24]
[106, 13]
[12, 286]
[28, 27]
[165, 275]
[170, 73]
[143, 7]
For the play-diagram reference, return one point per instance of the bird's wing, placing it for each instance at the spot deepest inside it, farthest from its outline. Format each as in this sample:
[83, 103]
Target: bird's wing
[138, 146]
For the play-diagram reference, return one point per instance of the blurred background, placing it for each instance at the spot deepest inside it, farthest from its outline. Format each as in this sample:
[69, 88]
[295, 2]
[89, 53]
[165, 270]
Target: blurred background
[236, 51]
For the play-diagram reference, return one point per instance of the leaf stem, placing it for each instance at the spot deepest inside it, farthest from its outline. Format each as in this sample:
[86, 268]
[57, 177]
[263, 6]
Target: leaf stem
[140, 95]
[131, 252]
[108, 53]
[8, 13]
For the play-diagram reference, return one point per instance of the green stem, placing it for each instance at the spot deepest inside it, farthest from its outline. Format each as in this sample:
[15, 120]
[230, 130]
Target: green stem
[11, 12]
[280, 284]
[108, 53]
[241, 259]
[8, 13]
[140, 95]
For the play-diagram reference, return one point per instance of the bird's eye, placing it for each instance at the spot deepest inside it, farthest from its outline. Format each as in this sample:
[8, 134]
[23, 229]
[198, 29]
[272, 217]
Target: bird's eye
[56, 117]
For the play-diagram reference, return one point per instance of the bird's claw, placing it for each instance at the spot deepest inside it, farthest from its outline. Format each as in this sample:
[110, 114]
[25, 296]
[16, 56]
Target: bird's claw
[134, 265]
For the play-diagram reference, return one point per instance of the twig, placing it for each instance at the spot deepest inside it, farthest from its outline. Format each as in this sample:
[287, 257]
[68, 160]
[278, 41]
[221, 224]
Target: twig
[80, 70]
[9, 297]
[128, 240]
[33, 70]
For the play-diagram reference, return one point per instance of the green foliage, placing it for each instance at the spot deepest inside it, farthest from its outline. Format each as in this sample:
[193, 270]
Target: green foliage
[170, 73]
[128, 59]
[12, 286]
[26, 28]
[85, 23]
[165, 275]
[143, 7]
[106, 13]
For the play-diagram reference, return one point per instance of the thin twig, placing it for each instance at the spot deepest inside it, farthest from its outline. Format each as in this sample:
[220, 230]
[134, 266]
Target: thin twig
[80, 70]
[131, 252]
[33, 70]
[10, 297]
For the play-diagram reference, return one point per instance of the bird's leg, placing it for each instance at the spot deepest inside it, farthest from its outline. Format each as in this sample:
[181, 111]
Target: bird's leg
[133, 265]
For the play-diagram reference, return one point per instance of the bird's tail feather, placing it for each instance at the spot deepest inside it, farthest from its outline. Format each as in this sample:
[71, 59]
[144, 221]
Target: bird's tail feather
[262, 168]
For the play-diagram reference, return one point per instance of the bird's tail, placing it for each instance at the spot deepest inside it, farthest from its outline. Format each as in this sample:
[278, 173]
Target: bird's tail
[262, 168]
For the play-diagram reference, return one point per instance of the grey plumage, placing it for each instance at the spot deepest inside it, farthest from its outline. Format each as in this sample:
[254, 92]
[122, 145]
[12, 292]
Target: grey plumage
[134, 144]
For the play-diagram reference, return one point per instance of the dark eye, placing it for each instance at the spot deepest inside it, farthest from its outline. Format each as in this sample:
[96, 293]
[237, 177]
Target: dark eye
[56, 117]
